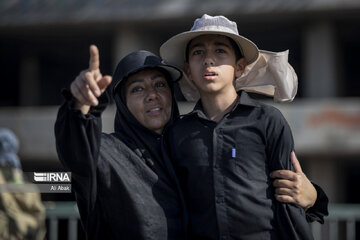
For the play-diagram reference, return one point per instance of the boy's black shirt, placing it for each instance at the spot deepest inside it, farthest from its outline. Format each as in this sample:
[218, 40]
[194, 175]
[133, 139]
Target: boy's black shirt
[224, 169]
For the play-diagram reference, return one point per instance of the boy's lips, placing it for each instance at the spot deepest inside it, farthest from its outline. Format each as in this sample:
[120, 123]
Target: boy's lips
[209, 74]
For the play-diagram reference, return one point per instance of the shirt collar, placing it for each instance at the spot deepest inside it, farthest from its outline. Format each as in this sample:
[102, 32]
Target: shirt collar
[244, 99]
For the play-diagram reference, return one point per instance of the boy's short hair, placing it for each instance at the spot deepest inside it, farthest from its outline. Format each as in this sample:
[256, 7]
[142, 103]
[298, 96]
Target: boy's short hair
[236, 48]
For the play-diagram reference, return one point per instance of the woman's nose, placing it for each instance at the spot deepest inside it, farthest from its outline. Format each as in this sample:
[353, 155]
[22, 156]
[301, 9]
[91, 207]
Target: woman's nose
[151, 94]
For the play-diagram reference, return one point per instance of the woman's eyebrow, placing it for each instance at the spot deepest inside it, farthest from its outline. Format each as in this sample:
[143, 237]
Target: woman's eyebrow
[141, 80]
[138, 80]
[159, 75]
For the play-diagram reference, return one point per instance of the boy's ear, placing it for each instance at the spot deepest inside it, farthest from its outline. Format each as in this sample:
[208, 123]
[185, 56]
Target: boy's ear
[240, 67]
[187, 70]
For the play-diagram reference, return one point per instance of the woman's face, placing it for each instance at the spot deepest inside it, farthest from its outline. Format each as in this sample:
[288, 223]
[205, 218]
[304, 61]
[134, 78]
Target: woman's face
[148, 97]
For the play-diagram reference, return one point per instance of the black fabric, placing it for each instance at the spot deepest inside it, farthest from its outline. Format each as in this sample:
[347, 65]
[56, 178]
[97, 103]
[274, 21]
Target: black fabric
[139, 60]
[320, 208]
[124, 188]
[135, 134]
[224, 168]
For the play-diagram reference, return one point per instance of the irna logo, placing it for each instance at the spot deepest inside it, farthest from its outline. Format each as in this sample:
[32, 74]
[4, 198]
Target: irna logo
[52, 177]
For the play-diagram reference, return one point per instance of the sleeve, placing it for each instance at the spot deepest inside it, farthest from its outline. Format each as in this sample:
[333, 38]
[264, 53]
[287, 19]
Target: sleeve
[279, 141]
[78, 139]
[167, 155]
[169, 151]
[168, 143]
[290, 218]
[320, 208]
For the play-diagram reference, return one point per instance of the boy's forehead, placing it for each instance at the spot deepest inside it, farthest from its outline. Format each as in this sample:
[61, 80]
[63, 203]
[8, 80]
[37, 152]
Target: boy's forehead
[210, 39]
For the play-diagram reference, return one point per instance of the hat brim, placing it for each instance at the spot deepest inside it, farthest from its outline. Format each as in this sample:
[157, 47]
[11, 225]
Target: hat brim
[173, 51]
[175, 73]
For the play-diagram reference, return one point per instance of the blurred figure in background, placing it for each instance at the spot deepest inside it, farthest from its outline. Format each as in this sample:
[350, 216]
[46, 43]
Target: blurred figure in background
[22, 215]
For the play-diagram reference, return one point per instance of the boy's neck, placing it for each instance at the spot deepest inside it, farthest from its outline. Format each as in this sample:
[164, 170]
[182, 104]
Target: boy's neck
[216, 105]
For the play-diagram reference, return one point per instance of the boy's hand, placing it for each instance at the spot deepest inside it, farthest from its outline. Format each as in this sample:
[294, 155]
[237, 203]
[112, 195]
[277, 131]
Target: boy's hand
[89, 84]
[294, 187]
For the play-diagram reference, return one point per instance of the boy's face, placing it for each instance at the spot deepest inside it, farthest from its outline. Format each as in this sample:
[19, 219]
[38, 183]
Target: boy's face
[212, 64]
[148, 98]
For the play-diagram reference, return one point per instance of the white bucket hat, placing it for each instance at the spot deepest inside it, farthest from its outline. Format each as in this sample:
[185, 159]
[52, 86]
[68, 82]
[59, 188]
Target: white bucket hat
[173, 50]
[267, 73]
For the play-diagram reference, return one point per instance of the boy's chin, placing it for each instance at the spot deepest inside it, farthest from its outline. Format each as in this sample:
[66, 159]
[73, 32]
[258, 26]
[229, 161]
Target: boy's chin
[211, 89]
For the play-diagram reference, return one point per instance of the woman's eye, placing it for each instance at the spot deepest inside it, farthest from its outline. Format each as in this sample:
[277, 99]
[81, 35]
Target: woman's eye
[136, 89]
[220, 51]
[160, 84]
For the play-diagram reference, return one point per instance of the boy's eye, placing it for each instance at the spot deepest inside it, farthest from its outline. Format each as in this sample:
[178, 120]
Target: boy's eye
[197, 52]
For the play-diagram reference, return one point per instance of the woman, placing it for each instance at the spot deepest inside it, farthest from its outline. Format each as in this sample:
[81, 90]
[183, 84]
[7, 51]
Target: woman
[124, 188]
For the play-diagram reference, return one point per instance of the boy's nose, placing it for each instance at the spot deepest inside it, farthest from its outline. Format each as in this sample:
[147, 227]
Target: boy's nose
[208, 60]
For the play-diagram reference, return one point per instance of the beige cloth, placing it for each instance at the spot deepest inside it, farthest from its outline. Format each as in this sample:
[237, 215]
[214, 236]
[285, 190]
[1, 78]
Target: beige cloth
[22, 215]
[270, 74]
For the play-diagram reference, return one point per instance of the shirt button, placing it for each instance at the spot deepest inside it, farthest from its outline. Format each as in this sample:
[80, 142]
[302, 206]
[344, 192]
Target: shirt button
[219, 200]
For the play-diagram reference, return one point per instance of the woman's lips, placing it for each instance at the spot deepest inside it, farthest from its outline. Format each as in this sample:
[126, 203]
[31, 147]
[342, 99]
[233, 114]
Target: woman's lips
[154, 111]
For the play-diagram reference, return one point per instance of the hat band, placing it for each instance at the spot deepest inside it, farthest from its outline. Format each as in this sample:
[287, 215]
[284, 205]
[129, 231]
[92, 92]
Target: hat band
[216, 29]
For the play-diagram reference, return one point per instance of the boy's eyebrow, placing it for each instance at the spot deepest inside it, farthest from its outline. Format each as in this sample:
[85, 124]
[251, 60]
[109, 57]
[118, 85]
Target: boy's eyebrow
[222, 44]
[196, 45]
[215, 43]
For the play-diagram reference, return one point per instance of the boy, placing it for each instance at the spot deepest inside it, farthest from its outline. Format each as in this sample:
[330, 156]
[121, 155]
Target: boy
[226, 148]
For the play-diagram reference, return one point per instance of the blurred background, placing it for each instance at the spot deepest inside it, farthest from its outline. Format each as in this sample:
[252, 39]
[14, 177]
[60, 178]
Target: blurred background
[45, 44]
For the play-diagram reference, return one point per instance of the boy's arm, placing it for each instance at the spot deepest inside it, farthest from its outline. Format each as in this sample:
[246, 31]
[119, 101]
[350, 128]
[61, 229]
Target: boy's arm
[291, 219]
[295, 187]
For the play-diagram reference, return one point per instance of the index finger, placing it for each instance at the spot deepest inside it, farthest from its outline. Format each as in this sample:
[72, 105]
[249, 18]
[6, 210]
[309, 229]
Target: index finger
[94, 62]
